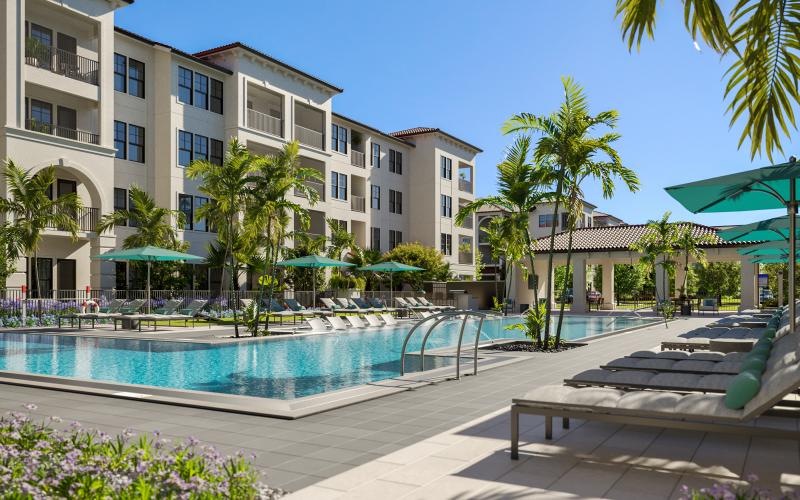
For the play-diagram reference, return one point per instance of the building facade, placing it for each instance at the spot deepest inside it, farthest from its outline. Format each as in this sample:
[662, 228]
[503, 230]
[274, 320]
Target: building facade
[112, 109]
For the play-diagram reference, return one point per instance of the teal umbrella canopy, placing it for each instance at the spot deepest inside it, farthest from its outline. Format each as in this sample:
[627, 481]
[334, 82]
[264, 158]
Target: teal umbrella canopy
[774, 259]
[775, 229]
[313, 261]
[390, 267]
[148, 253]
[778, 247]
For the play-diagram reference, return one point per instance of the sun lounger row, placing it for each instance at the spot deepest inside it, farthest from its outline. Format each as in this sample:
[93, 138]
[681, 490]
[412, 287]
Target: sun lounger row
[350, 322]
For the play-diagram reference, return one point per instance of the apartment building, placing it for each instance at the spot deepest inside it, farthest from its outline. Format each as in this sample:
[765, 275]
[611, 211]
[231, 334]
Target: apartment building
[112, 109]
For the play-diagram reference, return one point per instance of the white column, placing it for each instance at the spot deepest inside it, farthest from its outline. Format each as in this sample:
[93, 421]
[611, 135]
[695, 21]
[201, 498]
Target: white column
[749, 276]
[780, 289]
[679, 275]
[578, 284]
[608, 285]
[662, 283]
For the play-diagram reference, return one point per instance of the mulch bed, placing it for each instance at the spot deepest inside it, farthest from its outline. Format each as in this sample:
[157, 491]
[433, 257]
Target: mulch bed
[525, 346]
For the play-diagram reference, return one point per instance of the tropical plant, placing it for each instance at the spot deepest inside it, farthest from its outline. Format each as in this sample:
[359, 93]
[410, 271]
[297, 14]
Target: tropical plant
[629, 279]
[367, 257]
[341, 241]
[691, 246]
[762, 37]
[719, 279]
[566, 142]
[657, 247]
[33, 210]
[419, 255]
[506, 241]
[532, 324]
[10, 250]
[305, 278]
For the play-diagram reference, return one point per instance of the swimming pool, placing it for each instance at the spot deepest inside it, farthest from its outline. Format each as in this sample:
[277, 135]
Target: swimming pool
[280, 368]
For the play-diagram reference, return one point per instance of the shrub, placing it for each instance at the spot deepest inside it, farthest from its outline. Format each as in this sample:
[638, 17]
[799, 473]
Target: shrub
[725, 491]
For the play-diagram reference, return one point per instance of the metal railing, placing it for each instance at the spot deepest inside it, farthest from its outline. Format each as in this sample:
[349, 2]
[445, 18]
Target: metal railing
[358, 203]
[357, 158]
[465, 185]
[317, 186]
[67, 133]
[61, 62]
[264, 122]
[309, 137]
[86, 217]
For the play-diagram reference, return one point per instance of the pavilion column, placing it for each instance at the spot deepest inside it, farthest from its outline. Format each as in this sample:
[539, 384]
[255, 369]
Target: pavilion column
[662, 283]
[680, 273]
[578, 284]
[608, 285]
[749, 275]
[780, 289]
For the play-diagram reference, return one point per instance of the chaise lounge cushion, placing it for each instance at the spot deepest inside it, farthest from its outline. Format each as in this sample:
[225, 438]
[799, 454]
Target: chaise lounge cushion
[742, 389]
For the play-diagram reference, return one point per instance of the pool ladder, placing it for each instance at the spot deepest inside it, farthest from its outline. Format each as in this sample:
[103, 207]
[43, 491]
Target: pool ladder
[434, 320]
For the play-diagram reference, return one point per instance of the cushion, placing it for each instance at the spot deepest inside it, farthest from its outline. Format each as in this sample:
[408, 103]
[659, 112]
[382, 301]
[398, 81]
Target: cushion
[690, 365]
[756, 364]
[649, 401]
[742, 389]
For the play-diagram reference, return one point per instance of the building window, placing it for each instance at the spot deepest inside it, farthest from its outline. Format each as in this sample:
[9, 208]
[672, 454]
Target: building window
[42, 114]
[200, 147]
[548, 220]
[120, 73]
[375, 159]
[217, 152]
[216, 96]
[395, 161]
[120, 142]
[135, 78]
[201, 224]
[395, 202]
[41, 34]
[395, 238]
[136, 143]
[375, 239]
[185, 205]
[375, 200]
[446, 166]
[339, 138]
[447, 244]
[121, 202]
[341, 224]
[185, 78]
[338, 186]
[184, 148]
[200, 91]
[447, 206]
[564, 219]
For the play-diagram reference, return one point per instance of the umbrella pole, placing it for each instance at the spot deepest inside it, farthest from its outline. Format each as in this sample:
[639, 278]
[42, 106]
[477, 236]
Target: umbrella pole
[148, 287]
[792, 253]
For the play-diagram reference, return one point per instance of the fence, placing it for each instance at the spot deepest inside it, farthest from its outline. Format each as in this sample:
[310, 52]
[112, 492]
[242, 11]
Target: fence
[636, 303]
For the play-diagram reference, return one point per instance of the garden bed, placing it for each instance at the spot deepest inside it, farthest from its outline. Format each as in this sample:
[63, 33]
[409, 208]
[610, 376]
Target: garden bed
[528, 346]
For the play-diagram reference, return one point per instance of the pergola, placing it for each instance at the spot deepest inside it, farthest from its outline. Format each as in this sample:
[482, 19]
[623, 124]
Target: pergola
[606, 246]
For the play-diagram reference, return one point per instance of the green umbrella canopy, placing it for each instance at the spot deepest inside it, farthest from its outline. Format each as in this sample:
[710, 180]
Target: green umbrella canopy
[313, 261]
[390, 267]
[148, 253]
[775, 229]
[774, 259]
[778, 247]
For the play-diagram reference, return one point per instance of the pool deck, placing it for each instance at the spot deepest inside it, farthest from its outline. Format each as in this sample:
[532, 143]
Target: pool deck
[450, 440]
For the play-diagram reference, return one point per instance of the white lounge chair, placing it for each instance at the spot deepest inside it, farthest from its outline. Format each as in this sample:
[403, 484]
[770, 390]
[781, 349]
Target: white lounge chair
[337, 323]
[317, 325]
[330, 304]
[355, 321]
[426, 302]
[388, 319]
[373, 320]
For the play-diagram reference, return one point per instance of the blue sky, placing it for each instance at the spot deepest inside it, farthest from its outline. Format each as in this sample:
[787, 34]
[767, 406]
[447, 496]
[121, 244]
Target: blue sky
[467, 65]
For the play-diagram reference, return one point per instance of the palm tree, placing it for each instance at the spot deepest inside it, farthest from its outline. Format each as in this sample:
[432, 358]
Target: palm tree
[690, 245]
[567, 143]
[504, 237]
[154, 225]
[228, 186]
[763, 39]
[341, 241]
[657, 247]
[33, 211]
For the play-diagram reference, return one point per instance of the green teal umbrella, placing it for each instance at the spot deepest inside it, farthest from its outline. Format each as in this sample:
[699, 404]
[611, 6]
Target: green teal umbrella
[778, 247]
[390, 267]
[773, 259]
[775, 229]
[313, 261]
[147, 254]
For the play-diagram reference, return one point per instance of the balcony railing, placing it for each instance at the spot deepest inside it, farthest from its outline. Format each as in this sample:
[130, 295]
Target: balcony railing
[61, 62]
[319, 187]
[264, 122]
[67, 133]
[309, 137]
[465, 185]
[358, 203]
[465, 258]
[357, 158]
[86, 217]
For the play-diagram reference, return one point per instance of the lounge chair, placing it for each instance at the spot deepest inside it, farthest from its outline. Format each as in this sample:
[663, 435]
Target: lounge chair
[168, 314]
[362, 305]
[277, 309]
[337, 323]
[708, 305]
[113, 308]
[672, 365]
[700, 338]
[317, 325]
[380, 305]
[404, 304]
[426, 302]
[346, 304]
[299, 308]
[330, 305]
[355, 321]
[373, 320]
[414, 303]
[388, 319]
[127, 311]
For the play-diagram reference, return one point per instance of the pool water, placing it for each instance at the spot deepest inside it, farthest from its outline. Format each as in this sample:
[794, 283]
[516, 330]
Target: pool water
[283, 368]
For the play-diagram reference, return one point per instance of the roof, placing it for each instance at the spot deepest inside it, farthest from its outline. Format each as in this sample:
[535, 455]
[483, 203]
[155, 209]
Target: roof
[360, 124]
[616, 238]
[181, 53]
[410, 132]
[240, 45]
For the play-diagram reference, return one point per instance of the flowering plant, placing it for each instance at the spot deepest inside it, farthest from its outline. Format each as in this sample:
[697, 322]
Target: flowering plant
[727, 491]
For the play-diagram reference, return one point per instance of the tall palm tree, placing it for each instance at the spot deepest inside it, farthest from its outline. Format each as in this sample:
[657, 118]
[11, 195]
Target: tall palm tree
[228, 186]
[762, 37]
[341, 241]
[690, 245]
[566, 141]
[505, 241]
[154, 225]
[33, 210]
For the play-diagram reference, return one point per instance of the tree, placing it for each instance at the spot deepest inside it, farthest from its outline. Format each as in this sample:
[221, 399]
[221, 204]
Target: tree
[33, 211]
[341, 241]
[507, 245]
[10, 250]
[690, 245]
[657, 247]
[419, 255]
[367, 257]
[629, 279]
[719, 279]
[304, 278]
[763, 39]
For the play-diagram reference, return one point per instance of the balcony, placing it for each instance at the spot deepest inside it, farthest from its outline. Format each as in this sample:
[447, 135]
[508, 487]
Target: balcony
[358, 203]
[317, 186]
[67, 133]
[264, 122]
[309, 137]
[357, 159]
[86, 217]
[465, 185]
[61, 62]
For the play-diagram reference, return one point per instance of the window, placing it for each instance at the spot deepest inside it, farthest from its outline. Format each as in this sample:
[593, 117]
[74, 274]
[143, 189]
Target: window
[42, 114]
[375, 239]
[201, 224]
[395, 161]
[135, 78]
[395, 202]
[446, 166]
[184, 148]
[217, 154]
[42, 35]
[341, 224]
[200, 91]
[120, 142]
[447, 244]
[120, 73]
[375, 159]
[131, 206]
[200, 147]
[338, 186]
[447, 206]
[216, 96]
[339, 138]
[185, 206]
[375, 200]
[395, 238]
[564, 219]
[185, 89]
[121, 201]
[548, 220]
[135, 143]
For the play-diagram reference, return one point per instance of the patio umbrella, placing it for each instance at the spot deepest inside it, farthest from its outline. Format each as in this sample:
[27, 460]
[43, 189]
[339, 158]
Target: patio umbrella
[768, 248]
[391, 267]
[316, 262]
[147, 254]
[772, 230]
[763, 188]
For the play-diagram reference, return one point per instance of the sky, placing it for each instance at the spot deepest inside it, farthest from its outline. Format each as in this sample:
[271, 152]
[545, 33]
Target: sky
[466, 66]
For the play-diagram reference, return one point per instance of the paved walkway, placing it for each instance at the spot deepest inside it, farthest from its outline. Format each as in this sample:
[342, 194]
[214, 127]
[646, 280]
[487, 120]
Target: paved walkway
[296, 454]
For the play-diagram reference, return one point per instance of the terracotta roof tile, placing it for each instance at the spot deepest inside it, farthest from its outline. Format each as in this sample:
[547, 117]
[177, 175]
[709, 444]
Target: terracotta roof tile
[410, 132]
